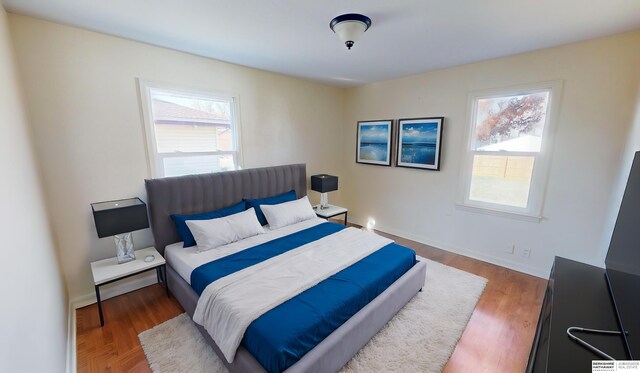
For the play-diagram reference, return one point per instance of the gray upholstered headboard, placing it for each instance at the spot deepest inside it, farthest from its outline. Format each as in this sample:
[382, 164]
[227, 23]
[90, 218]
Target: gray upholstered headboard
[193, 194]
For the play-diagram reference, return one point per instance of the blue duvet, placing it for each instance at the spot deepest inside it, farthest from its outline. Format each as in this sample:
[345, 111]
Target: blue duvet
[281, 336]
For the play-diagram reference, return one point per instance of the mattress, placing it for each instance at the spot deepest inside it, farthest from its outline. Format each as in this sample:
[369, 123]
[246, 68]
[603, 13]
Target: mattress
[281, 336]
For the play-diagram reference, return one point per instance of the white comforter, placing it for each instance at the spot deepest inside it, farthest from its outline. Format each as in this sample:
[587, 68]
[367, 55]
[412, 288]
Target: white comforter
[228, 305]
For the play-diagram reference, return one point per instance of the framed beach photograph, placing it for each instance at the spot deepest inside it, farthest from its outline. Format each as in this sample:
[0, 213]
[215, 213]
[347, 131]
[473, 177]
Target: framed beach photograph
[419, 143]
[374, 142]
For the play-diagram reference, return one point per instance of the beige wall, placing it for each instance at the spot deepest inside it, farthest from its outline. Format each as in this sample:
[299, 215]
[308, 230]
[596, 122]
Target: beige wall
[601, 79]
[33, 315]
[82, 98]
[632, 146]
[83, 103]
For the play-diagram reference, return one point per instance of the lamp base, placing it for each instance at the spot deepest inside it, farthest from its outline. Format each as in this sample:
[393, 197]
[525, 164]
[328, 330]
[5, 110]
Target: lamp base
[324, 201]
[124, 248]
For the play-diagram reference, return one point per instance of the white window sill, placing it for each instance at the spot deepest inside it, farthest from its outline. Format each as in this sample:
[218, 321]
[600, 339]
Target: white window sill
[495, 212]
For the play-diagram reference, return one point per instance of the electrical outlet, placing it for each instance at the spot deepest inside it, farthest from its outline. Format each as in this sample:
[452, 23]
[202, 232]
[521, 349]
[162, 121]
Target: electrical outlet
[526, 252]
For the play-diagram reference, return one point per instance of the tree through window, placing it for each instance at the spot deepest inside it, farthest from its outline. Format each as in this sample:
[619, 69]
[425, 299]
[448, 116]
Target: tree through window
[507, 138]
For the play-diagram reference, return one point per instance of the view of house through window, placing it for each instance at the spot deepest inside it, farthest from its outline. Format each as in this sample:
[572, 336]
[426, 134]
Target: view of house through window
[192, 133]
[506, 142]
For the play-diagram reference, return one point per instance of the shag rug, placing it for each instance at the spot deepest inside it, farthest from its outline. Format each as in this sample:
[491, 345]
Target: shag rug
[420, 338]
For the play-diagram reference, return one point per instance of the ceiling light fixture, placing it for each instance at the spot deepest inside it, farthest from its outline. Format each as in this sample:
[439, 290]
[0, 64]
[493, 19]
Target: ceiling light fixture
[350, 27]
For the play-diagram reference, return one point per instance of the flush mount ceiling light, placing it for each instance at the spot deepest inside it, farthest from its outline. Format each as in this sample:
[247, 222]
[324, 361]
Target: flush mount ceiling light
[349, 27]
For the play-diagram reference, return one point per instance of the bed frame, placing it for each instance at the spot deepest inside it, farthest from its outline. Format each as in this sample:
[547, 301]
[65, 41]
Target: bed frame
[199, 193]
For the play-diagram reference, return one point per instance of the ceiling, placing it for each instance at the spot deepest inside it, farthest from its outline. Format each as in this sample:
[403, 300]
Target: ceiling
[293, 36]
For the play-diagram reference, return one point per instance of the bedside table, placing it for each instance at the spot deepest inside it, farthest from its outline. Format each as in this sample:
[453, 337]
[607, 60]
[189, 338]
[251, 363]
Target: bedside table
[108, 270]
[331, 211]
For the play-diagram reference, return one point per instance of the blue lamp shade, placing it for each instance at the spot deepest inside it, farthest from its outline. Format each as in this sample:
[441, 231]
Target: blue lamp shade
[121, 216]
[324, 183]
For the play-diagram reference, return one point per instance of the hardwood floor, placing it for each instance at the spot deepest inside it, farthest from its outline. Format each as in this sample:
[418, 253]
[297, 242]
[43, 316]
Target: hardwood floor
[115, 347]
[497, 339]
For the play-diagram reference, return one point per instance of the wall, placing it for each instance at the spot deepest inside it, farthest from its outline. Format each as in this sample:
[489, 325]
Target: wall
[601, 79]
[632, 146]
[33, 316]
[82, 96]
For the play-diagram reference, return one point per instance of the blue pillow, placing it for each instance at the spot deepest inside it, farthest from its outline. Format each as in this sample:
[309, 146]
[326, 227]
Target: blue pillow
[274, 200]
[183, 229]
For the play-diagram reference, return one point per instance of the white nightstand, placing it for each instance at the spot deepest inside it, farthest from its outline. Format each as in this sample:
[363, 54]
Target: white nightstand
[331, 211]
[108, 270]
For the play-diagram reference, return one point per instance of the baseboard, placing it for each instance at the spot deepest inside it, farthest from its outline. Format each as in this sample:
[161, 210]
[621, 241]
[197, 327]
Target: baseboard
[115, 289]
[82, 301]
[516, 266]
[74, 304]
[71, 339]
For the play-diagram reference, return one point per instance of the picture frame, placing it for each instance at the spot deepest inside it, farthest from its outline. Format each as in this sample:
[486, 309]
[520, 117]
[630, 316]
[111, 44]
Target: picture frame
[419, 143]
[374, 142]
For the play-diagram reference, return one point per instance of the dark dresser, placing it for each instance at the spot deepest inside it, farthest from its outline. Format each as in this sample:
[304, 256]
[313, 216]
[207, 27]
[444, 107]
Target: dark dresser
[577, 295]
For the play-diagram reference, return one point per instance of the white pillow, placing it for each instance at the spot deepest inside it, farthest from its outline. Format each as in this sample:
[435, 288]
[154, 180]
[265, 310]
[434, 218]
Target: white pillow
[213, 233]
[288, 213]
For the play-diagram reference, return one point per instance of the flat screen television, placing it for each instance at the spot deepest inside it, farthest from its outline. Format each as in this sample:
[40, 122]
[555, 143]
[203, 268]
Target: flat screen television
[623, 263]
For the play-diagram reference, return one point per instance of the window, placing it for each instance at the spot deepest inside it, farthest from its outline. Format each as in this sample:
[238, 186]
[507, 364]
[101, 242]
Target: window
[508, 148]
[189, 132]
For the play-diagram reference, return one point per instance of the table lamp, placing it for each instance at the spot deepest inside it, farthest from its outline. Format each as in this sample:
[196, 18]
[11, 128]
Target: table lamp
[324, 183]
[118, 219]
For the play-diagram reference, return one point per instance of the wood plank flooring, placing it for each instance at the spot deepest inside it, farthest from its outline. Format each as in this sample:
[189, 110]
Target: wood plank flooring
[115, 347]
[497, 339]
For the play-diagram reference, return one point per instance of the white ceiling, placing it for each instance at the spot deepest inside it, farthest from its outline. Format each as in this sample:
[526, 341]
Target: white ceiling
[293, 36]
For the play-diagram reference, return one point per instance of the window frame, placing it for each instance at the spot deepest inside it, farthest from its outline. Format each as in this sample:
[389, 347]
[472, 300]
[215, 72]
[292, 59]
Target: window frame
[542, 159]
[154, 158]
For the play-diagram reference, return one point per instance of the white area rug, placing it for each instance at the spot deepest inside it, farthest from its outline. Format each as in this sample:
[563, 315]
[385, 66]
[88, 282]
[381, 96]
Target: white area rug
[420, 338]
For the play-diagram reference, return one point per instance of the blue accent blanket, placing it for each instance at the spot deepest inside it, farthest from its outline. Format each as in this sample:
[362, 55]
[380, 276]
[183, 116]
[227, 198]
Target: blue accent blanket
[281, 336]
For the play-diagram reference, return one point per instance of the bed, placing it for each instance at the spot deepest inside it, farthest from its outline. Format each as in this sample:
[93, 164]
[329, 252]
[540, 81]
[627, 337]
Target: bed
[198, 193]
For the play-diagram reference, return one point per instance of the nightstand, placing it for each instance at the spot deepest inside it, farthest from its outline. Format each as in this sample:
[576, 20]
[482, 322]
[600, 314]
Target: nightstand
[331, 211]
[108, 270]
